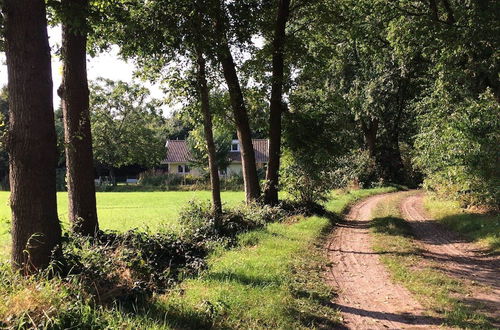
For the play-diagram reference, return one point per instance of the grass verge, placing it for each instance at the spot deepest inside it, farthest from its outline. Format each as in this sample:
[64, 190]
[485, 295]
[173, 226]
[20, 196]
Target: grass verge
[481, 228]
[436, 291]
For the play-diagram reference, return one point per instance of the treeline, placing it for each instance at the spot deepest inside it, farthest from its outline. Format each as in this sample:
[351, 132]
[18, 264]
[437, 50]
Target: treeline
[348, 92]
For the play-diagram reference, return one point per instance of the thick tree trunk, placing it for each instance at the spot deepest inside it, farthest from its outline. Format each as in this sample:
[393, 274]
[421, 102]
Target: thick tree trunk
[207, 125]
[390, 161]
[276, 104]
[250, 178]
[74, 92]
[36, 231]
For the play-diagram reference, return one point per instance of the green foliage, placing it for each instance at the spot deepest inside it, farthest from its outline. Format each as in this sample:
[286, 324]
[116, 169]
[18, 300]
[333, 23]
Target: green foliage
[354, 169]
[198, 148]
[458, 148]
[201, 224]
[304, 181]
[127, 127]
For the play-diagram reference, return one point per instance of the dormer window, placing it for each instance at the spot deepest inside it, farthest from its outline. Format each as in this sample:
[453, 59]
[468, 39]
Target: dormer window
[235, 146]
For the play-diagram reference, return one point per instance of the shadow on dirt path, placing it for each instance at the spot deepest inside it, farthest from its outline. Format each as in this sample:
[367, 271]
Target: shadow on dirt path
[456, 257]
[368, 298]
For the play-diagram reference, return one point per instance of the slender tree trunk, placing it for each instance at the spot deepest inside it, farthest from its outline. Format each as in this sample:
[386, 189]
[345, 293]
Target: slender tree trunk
[36, 231]
[276, 104]
[370, 133]
[74, 92]
[207, 125]
[112, 176]
[250, 178]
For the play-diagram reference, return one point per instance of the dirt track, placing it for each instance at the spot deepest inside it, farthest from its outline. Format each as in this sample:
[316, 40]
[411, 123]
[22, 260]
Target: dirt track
[456, 257]
[368, 299]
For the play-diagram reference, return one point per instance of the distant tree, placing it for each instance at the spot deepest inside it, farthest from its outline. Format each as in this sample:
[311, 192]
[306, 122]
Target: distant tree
[198, 149]
[127, 126]
[176, 127]
[36, 232]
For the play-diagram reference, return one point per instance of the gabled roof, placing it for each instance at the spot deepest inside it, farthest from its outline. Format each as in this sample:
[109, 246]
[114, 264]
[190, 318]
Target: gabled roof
[178, 152]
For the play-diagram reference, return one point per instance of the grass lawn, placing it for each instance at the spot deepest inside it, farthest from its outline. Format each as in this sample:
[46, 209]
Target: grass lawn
[393, 240]
[122, 210]
[482, 228]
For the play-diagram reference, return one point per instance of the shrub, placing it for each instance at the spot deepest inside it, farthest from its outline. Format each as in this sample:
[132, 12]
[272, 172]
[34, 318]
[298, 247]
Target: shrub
[302, 183]
[233, 182]
[458, 148]
[201, 225]
[127, 265]
[356, 168]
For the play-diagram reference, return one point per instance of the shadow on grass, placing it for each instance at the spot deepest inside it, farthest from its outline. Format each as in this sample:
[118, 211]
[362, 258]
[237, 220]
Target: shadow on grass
[477, 226]
[391, 226]
[168, 316]
[243, 279]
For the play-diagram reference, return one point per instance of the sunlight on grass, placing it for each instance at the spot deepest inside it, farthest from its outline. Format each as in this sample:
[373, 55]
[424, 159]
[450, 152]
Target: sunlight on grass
[482, 228]
[123, 210]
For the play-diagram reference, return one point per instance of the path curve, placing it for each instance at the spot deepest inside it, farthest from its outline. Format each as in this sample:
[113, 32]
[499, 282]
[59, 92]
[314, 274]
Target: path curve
[367, 297]
[456, 257]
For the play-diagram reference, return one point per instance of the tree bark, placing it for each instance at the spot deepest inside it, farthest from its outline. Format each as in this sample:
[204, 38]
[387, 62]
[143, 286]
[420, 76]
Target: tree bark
[36, 232]
[276, 103]
[250, 178]
[74, 92]
[370, 133]
[209, 137]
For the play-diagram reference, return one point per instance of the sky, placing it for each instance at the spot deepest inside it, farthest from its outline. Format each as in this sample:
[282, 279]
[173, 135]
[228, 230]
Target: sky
[106, 65]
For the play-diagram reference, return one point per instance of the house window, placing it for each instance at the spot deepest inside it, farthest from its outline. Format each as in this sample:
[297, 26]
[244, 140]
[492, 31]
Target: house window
[235, 146]
[186, 169]
[180, 169]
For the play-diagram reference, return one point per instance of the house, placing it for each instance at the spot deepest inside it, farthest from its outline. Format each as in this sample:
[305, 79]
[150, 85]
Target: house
[178, 157]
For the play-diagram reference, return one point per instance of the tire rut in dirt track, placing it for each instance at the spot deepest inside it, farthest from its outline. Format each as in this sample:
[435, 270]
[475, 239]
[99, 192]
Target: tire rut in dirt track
[368, 299]
[456, 257]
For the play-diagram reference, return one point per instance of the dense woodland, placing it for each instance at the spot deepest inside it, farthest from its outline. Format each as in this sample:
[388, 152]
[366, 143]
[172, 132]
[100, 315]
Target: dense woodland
[350, 93]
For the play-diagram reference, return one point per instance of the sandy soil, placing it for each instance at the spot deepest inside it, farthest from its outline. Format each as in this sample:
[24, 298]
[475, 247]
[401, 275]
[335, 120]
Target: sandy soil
[367, 298]
[457, 257]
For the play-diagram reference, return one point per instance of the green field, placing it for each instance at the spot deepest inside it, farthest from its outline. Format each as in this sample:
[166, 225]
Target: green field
[123, 210]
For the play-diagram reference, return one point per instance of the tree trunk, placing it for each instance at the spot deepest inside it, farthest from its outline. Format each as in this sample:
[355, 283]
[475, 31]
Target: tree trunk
[370, 135]
[276, 104]
[74, 92]
[112, 176]
[36, 231]
[250, 178]
[207, 125]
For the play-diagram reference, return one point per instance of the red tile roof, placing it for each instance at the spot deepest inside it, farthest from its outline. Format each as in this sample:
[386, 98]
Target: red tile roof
[178, 152]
